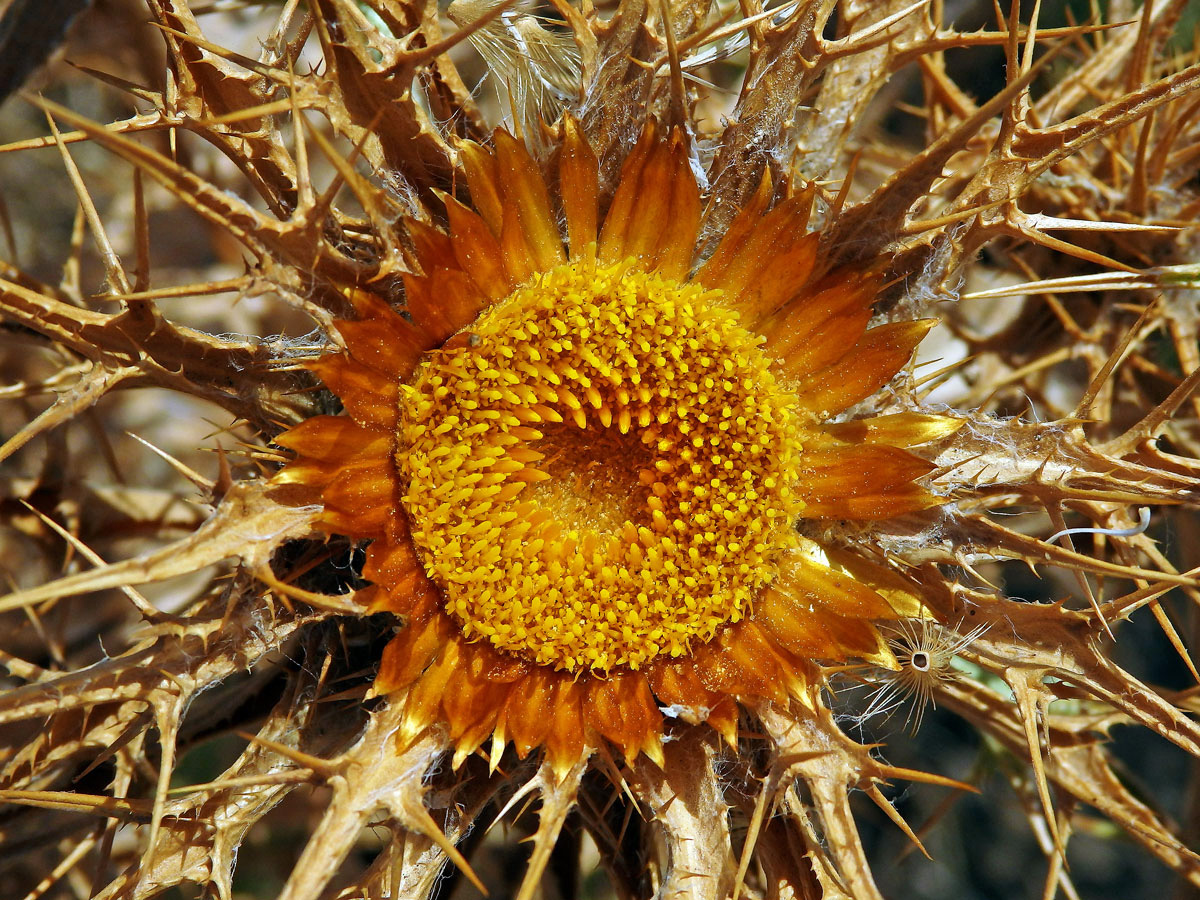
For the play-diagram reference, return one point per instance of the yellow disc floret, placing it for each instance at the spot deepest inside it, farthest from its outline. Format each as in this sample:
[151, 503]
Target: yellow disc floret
[600, 471]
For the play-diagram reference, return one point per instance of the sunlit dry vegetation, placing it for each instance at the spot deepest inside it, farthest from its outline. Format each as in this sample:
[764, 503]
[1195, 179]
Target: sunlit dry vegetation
[223, 209]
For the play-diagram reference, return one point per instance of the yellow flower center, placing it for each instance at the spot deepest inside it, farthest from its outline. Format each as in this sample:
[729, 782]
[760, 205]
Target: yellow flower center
[600, 471]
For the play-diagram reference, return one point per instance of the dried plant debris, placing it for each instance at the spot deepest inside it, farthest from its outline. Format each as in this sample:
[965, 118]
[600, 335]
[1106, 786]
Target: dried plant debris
[478, 449]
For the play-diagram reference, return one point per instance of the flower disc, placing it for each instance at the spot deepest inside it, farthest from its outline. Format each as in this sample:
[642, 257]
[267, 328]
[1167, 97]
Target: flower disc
[600, 471]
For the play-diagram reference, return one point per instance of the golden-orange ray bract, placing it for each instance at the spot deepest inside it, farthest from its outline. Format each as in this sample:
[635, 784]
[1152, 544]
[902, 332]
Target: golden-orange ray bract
[580, 461]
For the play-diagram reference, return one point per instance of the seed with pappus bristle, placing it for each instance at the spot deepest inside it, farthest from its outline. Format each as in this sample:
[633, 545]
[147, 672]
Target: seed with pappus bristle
[925, 652]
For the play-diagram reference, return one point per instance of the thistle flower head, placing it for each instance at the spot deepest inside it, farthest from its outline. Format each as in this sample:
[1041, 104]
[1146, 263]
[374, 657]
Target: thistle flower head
[582, 466]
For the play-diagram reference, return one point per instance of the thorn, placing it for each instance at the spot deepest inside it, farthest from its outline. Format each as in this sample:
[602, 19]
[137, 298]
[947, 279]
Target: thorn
[332, 602]
[678, 107]
[430, 829]
[1056, 517]
[752, 832]
[190, 474]
[892, 813]
[1031, 711]
[144, 606]
[115, 273]
[224, 480]
[323, 767]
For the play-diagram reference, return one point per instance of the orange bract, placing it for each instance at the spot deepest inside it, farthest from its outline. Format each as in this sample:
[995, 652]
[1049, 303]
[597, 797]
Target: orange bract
[579, 465]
